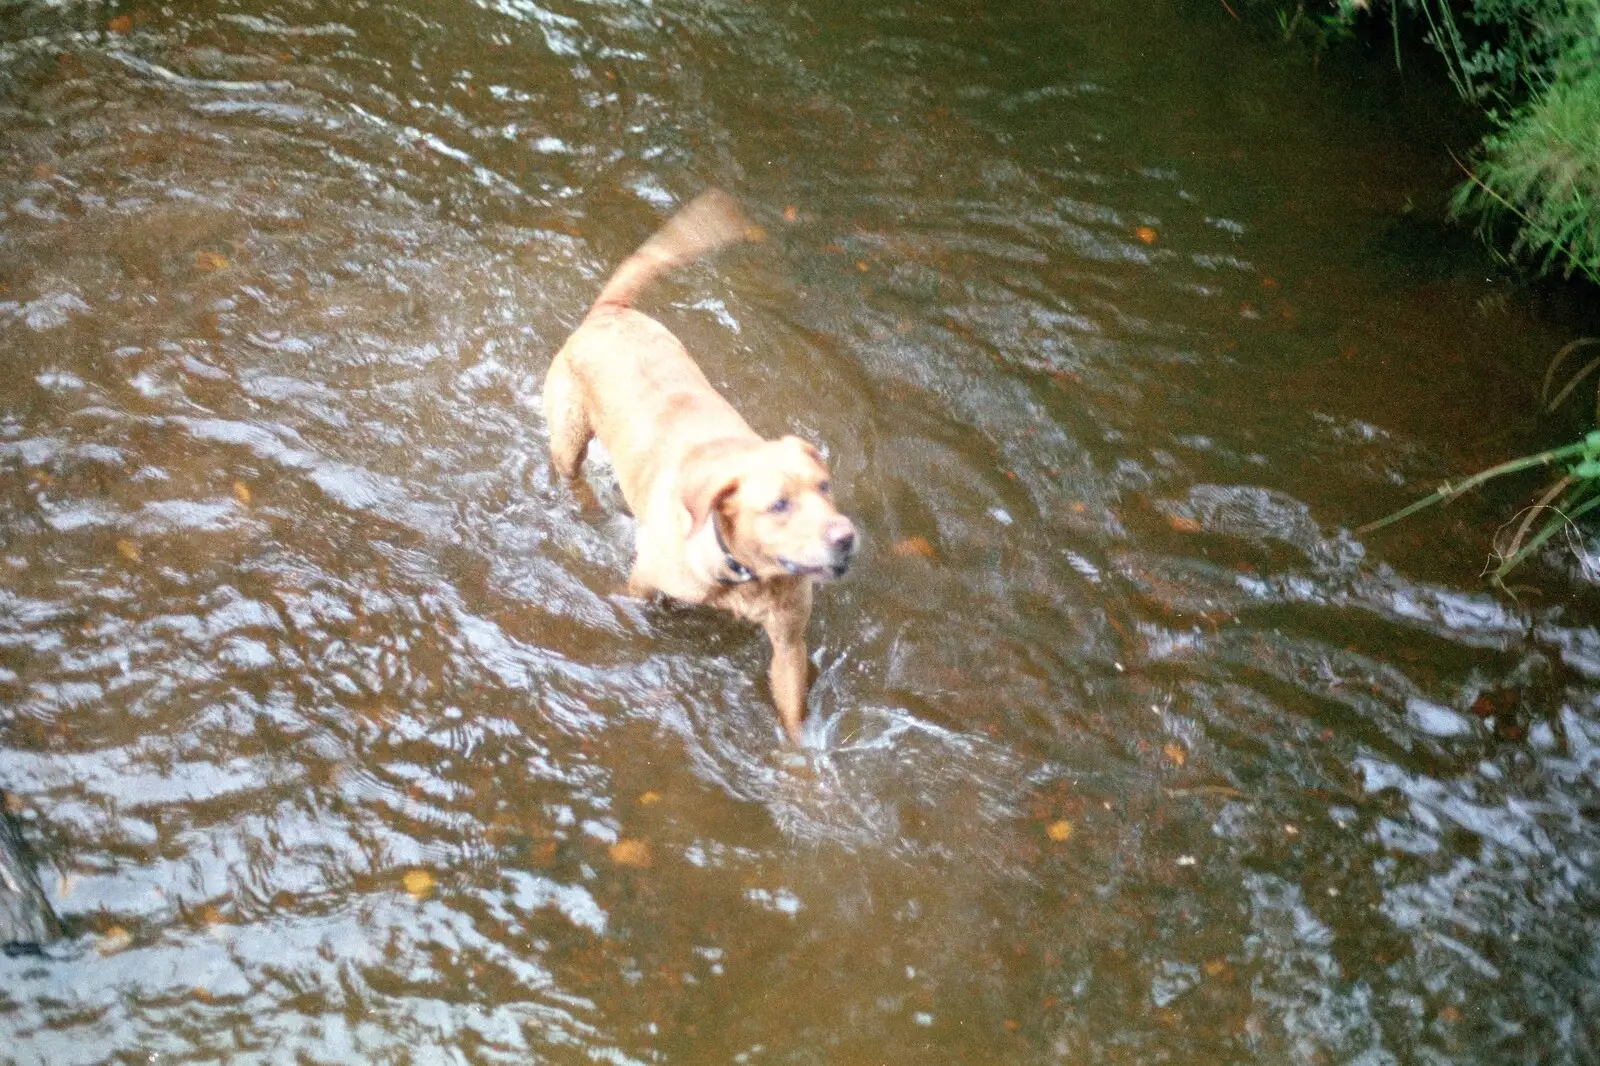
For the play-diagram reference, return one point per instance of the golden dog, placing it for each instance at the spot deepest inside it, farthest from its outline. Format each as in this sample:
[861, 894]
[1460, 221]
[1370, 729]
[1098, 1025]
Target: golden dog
[725, 517]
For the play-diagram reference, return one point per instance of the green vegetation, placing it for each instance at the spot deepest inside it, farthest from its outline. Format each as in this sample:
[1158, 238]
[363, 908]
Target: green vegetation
[1565, 500]
[1535, 66]
[1543, 165]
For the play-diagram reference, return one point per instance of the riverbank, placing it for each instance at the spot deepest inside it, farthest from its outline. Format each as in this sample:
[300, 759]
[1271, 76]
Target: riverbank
[1531, 185]
[1529, 189]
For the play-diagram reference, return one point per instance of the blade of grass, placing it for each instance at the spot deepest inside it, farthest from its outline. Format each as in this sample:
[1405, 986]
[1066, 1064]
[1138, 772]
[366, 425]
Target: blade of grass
[1545, 534]
[1543, 501]
[1573, 383]
[1527, 462]
[1560, 357]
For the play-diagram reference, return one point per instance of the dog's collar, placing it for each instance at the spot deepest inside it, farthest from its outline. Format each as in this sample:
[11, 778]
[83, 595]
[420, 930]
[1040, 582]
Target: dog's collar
[740, 572]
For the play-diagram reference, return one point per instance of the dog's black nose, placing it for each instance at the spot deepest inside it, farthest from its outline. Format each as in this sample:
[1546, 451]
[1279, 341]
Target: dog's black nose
[840, 535]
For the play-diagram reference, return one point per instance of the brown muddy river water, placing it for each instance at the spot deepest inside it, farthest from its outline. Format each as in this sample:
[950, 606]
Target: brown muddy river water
[338, 744]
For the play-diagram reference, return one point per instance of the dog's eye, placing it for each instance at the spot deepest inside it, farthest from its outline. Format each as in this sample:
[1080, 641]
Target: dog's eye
[825, 487]
[779, 506]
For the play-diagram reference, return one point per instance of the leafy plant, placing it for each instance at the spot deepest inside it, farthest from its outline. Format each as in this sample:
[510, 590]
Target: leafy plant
[1542, 166]
[1318, 29]
[1562, 502]
[1534, 65]
[1489, 47]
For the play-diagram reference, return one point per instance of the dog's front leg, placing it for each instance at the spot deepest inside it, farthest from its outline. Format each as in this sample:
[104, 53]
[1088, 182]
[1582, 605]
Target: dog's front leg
[788, 675]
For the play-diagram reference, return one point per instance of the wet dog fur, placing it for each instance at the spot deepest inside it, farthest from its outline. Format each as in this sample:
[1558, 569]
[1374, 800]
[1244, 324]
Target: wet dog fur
[725, 517]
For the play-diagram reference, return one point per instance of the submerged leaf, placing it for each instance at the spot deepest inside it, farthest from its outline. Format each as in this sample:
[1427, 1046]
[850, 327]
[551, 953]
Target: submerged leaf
[113, 940]
[635, 853]
[418, 883]
[914, 546]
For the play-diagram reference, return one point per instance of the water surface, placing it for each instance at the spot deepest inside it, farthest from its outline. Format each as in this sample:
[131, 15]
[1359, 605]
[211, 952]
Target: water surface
[341, 746]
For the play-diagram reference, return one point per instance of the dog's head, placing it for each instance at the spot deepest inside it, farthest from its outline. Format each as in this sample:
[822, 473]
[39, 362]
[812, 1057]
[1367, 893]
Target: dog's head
[776, 510]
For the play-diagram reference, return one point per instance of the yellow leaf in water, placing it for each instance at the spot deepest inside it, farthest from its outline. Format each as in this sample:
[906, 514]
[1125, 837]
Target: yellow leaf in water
[120, 24]
[755, 234]
[1175, 752]
[210, 260]
[1145, 234]
[128, 550]
[635, 853]
[1216, 968]
[241, 492]
[210, 915]
[791, 213]
[1060, 831]
[113, 940]
[647, 798]
[419, 883]
[914, 546]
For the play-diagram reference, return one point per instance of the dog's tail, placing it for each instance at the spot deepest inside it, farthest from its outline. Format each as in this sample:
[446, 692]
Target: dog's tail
[710, 221]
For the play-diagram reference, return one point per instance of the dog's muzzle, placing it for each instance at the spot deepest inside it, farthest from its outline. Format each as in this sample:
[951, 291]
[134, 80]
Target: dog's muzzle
[840, 536]
[839, 539]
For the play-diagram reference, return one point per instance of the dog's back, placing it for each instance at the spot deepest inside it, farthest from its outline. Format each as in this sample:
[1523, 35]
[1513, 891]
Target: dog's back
[622, 376]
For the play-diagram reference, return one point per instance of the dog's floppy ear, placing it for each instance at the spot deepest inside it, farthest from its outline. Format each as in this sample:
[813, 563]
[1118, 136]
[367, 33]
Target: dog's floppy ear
[805, 446]
[705, 490]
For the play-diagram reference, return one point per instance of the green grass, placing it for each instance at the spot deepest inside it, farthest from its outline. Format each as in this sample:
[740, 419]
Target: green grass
[1533, 188]
[1534, 66]
[1542, 165]
[1561, 503]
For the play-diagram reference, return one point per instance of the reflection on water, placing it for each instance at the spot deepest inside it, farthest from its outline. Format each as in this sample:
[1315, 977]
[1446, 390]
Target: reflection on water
[341, 745]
